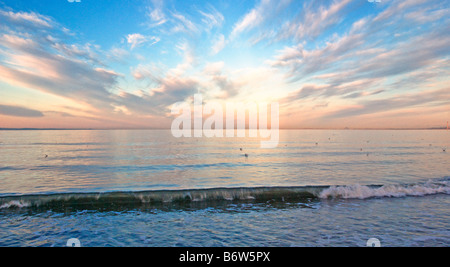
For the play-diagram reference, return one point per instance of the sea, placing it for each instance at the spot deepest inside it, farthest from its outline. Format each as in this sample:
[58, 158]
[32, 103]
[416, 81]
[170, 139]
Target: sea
[146, 188]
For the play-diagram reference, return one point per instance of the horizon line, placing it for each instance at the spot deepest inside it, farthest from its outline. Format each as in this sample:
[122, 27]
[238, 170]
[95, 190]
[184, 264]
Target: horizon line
[161, 129]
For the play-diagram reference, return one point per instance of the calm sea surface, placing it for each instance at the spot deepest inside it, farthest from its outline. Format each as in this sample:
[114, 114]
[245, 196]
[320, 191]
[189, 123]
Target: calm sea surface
[146, 188]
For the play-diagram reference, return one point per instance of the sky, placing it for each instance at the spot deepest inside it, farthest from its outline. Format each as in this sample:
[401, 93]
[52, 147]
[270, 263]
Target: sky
[123, 64]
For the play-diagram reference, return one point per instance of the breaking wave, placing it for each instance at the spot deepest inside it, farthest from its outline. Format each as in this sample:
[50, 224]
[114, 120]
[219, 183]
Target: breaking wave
[208, 197]
[392, 191]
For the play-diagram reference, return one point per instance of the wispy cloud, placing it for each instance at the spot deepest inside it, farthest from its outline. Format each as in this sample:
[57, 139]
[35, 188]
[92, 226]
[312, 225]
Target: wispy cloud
[136, 39]
[169, 20]
[16, 111]
[430, 97]
[212, 18]
[363, 53]
[156, 13]
[313, 20]
[38, 61]
[183, 24]
[218, 44]
[26, 19]
[264, 11]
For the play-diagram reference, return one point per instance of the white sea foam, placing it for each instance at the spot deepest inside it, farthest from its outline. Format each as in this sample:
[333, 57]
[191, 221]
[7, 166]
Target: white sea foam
[394, 191]
[14, 204]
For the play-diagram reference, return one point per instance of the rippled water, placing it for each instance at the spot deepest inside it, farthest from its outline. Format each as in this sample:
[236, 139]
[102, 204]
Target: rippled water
[92, 161]
[408, 207]
[395, 222]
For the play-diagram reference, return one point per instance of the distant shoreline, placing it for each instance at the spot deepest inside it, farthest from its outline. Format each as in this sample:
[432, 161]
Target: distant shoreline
[284, 129]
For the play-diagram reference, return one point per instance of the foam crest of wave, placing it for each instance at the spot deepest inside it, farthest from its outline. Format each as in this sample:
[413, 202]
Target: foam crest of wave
[14, 204]
[393, 191]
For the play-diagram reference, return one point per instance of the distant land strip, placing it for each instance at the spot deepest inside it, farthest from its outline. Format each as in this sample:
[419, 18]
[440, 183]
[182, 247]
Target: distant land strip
[106, 129]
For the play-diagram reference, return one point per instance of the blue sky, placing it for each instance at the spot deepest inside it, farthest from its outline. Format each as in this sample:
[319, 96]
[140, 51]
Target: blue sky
[122, 64]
